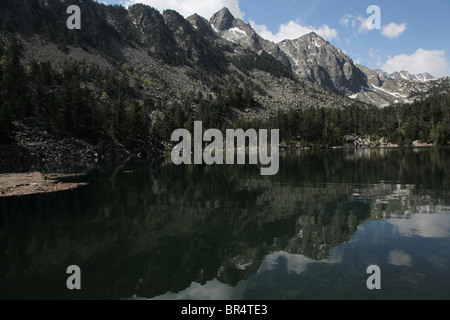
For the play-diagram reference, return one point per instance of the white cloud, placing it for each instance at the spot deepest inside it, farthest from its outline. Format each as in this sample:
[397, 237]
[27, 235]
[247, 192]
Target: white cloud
[204, 8]
[359, 23]
[363, 27]
[296, 263]
[351, 21]
[211, 290]
[393, 30]
[293, 30]
[345, 20]
[431, 61]
[424, 225]
[375, 57]
[399, 258]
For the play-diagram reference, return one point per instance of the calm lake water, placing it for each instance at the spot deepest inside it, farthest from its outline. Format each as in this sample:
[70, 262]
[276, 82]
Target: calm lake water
[225, 232]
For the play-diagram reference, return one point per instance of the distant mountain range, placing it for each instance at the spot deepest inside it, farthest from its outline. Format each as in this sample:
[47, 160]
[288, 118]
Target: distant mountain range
[196, 54]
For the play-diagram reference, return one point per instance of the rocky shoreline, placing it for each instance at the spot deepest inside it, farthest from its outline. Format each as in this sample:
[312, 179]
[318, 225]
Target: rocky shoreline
[357, 142]
[21, 184]
[27, 159]
[33, 149]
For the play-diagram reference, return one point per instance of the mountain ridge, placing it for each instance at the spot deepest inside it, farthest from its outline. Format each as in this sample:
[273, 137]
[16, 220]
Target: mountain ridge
[168, 37]
[226, 15]
[313, 58]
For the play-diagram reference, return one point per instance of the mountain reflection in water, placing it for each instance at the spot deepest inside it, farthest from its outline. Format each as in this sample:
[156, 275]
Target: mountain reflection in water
[225, 232]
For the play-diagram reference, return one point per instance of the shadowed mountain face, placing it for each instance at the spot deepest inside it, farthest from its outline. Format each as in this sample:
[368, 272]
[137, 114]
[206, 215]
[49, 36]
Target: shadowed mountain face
[223, 20]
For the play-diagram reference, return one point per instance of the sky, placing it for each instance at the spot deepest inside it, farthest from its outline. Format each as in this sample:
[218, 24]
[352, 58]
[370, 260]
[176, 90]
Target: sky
[409, 35]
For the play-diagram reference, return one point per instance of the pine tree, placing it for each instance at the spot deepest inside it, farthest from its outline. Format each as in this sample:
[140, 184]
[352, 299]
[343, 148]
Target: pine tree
[5, 116]
[5, 122]
[14, 82]
[438, 135]
[119, 125]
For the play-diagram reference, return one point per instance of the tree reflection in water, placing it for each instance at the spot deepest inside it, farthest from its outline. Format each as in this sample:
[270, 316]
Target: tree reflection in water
[225, 232]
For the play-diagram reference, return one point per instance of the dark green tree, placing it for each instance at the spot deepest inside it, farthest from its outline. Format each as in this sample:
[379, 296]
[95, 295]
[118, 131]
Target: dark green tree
[14, 82]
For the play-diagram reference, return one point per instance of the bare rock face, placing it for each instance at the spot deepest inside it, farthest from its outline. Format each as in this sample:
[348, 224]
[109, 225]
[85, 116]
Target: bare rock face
[223, 20]
[235, 30]
[310, 57]
[315, 59]
[202, 25]
[241, 33]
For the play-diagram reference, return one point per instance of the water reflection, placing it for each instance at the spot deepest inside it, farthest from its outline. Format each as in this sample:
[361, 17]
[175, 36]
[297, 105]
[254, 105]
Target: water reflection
[294, 263]
[211, 290]
[400, 258]
[424, 225]
[225, 232]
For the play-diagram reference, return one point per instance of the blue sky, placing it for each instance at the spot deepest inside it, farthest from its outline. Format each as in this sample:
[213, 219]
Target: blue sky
[414, 35]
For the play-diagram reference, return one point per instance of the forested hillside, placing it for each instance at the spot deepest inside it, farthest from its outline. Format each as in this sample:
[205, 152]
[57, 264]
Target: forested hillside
[427, 121]
[85, 102]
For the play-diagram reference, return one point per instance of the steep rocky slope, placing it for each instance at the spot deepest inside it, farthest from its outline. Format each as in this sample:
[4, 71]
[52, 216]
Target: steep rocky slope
[318, 61]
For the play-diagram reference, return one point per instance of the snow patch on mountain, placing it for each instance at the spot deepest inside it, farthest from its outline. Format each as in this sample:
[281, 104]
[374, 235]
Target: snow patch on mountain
[239, 31]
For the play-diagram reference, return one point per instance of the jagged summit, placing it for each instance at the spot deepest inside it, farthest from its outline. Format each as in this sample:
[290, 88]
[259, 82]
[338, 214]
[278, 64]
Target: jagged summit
[385, 89]
[222, 20]
[202, 25]
[240, 33]
[405, 75]
[311, 38]
[425, 76]
[313, 35]
[314, 58]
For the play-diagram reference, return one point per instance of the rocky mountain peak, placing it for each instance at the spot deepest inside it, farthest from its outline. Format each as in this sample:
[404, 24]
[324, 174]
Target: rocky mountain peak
[405, 75]
[425, 77]
[401, 75]
[240, 33]
[313, 40]
[315, 59]
[312, 35]
[222, 20]
[202, 25]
